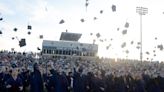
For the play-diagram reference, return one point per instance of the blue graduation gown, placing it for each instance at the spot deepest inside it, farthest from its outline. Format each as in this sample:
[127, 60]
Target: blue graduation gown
[58, 83]
[79, 84]
[15, 84]
[36, 83]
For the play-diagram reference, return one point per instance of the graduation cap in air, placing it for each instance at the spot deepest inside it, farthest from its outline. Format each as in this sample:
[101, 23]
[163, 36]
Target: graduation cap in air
[15, 29]
[126, 25]
[123, 45]
[118, 29]
[147, 58]
[114, 8]
[1, 19]
[139, 43]
[154, 55]
[22, 42]
[160, 47]
[147, 53]
[107, 47]
[154, 51]
[1, 32]
[86, 4]
[94, 18]
[98, 35]
[127, 51]
[29, 27]
[91, 33]
[124, 32]
[101, 11]
[38, 48]
[82, 20]
[28, 32]
[111, 39]
[138, 47]
[12, 38]
[155, 38]
[41, 36]
[132, 42]
[61, 21]
[66, 30]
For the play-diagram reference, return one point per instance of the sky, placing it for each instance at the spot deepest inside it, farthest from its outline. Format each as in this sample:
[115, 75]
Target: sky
[44, 17]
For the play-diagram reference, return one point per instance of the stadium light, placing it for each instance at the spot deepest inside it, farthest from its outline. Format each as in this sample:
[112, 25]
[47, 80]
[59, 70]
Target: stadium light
[141, 11]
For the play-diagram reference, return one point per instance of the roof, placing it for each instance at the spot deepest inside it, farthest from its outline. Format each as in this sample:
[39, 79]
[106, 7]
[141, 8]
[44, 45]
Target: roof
[66, 36]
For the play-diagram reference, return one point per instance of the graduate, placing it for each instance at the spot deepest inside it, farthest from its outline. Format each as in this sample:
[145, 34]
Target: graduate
[36, 82]
[79, 81]
[14, 83]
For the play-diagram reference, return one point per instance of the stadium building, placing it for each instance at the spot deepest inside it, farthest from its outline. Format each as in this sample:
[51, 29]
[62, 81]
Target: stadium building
[68, 45]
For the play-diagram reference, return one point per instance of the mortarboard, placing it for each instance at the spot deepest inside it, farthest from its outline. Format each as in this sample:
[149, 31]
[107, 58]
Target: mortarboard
[91, 33]
[82, 20]
[138, 43]
[15, 29]
[132, 42]
[28, 32]
[127, 51]
[86, 4]
[154, 55]
[101, 11]
[118, 29]
[155, 38]
[1, 32]
[41, 36]
[107, 47]
[147, 53]
[123, 45]
[29, 27]
[98, 35]
[12, 38]
[113, 8]
[138, 47]
[154, 51]
[95, 18]
[1, 19]
[160, 47]
[38, 48]
[22, 42]
[124, 32]
[61, 22]
[126, 25]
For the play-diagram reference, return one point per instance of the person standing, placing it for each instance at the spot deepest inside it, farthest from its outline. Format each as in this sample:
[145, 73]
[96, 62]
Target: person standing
[36, 82]
[14, 83]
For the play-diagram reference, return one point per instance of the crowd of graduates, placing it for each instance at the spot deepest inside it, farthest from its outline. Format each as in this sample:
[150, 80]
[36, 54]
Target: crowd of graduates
[23, 72]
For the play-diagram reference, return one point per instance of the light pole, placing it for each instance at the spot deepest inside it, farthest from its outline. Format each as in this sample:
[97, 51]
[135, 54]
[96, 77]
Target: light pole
[141, 11]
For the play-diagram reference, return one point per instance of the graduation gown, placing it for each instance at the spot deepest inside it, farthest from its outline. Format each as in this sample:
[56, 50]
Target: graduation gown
[99, 85]
[36, 83]
[79, 83]
[58, 83]
[15, 84]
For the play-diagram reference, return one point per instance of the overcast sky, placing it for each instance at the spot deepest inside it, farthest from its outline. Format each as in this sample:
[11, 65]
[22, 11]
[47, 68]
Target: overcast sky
[45, 15]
